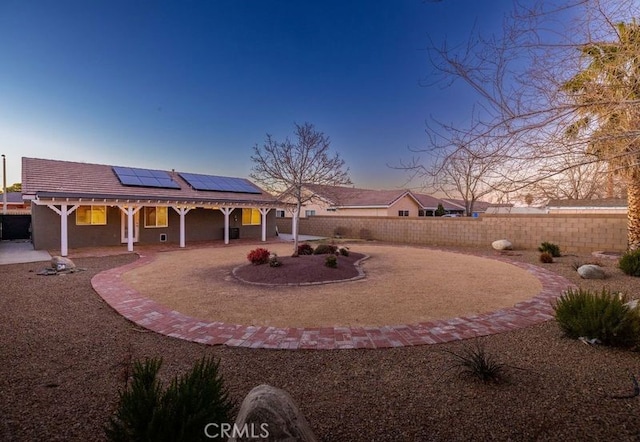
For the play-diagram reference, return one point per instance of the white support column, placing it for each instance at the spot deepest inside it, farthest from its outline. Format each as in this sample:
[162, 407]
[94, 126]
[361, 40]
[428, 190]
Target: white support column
[64, 212]
[130, 211]
[226, 211]
[264, 212]
[182, 211]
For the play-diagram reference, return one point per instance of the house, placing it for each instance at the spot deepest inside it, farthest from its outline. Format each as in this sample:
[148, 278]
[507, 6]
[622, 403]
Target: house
[15, 217]
[351, 201]
[601, 205]
[81, 204]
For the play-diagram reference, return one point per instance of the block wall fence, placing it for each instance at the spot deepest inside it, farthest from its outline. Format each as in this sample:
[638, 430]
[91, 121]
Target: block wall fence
[584, 233]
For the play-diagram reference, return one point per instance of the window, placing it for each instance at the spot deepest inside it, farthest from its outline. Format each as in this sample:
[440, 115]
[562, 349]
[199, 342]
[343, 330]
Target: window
[425, 212]
[279, 213]
[403, 213]
[91, 215]
[309, 213]
[332, 209]
[251, 217]
[156, 217]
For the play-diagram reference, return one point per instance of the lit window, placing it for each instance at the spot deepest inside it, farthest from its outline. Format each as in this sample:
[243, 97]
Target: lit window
[251, 217]
[91, 215]
[403, 213]
[156, 217]
[309, 213]
[279, 213]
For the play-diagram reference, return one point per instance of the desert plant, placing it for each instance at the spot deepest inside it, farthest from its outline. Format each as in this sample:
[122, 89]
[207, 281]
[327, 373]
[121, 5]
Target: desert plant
[324, 249]
[602, 316]
[545, 257]
[344, 251]
[305, 249]
[274, 261]
[476, 362]
[258, 256]
[630, 263]
[179, 413]
[331, 261]
[550, 248]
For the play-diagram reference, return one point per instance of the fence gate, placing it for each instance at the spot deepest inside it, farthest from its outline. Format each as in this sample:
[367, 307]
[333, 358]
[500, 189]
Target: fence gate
[15, 227]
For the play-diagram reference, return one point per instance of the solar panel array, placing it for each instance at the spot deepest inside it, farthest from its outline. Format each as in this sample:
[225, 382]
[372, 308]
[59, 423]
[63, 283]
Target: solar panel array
[130, 176]
[219, 183]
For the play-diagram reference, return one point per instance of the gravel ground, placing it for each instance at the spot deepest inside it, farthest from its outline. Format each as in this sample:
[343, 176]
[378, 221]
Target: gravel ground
[64, 352]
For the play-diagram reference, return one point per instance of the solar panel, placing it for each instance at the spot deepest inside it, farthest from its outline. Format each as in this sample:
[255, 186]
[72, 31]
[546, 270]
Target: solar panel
[130, 176]
[219, 183]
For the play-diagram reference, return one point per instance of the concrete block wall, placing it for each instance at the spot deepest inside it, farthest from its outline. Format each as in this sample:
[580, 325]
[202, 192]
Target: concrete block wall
[584, 233]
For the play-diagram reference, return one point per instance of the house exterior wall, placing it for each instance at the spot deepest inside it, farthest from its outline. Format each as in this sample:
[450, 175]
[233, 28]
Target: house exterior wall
[573, 233]
[200, 225]
[404, 203]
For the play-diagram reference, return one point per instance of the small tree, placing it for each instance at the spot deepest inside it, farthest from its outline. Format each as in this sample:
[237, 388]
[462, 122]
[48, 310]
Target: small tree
[440, 210]
[285, 167]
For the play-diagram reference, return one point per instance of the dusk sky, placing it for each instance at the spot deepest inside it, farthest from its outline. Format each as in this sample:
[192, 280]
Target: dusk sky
[194, 85]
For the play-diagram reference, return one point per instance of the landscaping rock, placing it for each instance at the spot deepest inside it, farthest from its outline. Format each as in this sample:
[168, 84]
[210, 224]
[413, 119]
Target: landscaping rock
[633, 304]
[591, 271]
[502, 244]
[62, 263]
[270, 409]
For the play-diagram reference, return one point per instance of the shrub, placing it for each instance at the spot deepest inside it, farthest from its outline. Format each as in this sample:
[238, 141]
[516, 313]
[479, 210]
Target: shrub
[179, 413]
[258, 256]
[603, 316]
[324, 249]
[344, 251]
[274, 261]
[630, 263]
[477, 363]
[546, 257]
[331, 261]
[550, 248]
[305, 249]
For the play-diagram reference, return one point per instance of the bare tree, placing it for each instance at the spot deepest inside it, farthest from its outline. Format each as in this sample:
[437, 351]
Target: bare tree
[560, 82]
[284, 168]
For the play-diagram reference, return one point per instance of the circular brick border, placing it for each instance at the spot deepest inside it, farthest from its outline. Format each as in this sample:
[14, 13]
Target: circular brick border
[151, 315]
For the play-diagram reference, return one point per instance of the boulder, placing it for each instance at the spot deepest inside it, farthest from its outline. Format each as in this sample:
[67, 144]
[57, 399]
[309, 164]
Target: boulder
[502, 244]
[272, 415]
[62, 263]
[591, 271]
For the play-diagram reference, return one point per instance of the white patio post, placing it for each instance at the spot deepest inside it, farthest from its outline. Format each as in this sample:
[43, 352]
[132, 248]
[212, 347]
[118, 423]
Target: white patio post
[130, 211]
[226, 211]
[264, 212]
[182, 211]
[64, 212]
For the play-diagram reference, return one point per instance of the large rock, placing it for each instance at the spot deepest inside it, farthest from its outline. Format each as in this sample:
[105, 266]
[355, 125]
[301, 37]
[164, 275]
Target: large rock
[62, 263]
[272, 415]
[591, 271]
[502, 244]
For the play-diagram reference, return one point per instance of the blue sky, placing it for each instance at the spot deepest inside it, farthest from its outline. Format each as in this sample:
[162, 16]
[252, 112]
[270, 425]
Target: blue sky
[194, 85]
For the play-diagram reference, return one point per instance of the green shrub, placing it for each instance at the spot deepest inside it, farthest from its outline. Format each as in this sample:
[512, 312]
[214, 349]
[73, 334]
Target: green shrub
[477, 363]
[550, 248]
[344, 251]
[324, 249]
[630, 263]
[179, 413]
[305, 249]
[258, 256]
[331, 261]
[545, 257]
[603, 316]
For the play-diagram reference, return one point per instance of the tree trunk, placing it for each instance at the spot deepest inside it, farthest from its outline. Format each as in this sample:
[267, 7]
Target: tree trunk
[296, 221]
[633, 213]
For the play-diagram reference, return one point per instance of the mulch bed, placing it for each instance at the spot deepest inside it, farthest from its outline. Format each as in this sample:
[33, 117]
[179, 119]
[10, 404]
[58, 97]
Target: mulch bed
[305, 269]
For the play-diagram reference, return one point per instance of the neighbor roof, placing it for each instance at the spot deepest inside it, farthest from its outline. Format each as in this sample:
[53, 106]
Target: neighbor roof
[341, 196]
[45, 178]
[600, 203]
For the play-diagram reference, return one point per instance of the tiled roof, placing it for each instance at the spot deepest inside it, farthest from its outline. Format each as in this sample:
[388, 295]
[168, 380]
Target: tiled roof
[601, 202]
[13, 198]
[353, 197]
[65, 178]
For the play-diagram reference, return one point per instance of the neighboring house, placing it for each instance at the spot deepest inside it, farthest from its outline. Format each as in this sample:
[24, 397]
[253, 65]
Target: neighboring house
[79, 204]
[510, 209]
[351, 201]
[15, 204]
[602, 205]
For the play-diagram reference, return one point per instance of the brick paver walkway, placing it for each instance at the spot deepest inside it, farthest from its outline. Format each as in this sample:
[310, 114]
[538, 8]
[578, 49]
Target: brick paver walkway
[153, 316]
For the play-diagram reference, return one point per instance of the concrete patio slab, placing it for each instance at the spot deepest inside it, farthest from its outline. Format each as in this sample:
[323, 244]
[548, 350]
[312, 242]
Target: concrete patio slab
[15, 252]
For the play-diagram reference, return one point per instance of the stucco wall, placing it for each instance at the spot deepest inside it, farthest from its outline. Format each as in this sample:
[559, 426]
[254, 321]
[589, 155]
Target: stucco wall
[573, 233]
